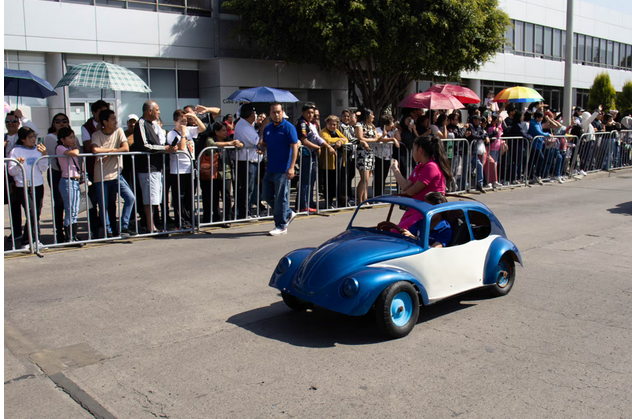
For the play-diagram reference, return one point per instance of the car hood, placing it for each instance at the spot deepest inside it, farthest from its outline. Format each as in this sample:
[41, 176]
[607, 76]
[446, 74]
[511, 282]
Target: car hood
[346, 253]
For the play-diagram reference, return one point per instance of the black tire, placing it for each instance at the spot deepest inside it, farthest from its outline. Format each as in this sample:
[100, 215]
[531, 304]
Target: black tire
[295, 303]
[504, 282]
[387, 311]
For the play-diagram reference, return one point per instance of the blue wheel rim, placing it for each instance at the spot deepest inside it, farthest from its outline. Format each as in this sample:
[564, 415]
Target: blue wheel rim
[502, 279]
[401, 309]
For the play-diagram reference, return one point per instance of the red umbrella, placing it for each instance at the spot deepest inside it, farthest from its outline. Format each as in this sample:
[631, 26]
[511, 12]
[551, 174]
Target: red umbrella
[464, 94]
[430, 100]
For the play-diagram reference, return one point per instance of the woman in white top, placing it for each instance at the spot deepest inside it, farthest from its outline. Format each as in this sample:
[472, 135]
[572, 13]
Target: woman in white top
[384, 150]
[27, 152]
[54, 175]
[366, 133]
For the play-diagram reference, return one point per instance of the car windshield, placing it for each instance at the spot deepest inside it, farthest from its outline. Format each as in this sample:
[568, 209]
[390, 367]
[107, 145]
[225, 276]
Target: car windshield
[369, 217]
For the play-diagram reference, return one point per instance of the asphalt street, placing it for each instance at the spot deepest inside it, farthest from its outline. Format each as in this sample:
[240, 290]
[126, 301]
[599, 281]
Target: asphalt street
[187, 327]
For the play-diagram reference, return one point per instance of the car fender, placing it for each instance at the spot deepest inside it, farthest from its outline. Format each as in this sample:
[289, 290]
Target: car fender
[283, 280]
[497, 249]
[375, 280]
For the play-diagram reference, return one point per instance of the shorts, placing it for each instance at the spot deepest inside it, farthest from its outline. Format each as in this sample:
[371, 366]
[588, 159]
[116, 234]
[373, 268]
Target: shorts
[151, 187]
[365, 160]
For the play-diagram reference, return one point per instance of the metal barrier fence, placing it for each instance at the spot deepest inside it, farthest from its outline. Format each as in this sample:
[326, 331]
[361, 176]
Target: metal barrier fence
[17, 198]
[225, 185]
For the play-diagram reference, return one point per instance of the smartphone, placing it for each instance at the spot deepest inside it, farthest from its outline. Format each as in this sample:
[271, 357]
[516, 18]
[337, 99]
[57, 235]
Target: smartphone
[40, 140]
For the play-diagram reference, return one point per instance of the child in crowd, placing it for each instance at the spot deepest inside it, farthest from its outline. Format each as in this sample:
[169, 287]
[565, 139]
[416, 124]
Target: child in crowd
[70, 179]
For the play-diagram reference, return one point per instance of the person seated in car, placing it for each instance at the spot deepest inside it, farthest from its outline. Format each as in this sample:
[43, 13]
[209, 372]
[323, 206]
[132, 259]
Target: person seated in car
[440, 230]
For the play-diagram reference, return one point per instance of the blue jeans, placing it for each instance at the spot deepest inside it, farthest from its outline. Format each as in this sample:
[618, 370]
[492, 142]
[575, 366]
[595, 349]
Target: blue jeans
[476, 162]
[551, 155]
[276, 192]
[307, 178]
[71, 196]
[109, 189]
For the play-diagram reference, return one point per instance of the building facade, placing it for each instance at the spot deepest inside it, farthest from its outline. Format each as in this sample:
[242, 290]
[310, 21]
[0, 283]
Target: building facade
[186, 52]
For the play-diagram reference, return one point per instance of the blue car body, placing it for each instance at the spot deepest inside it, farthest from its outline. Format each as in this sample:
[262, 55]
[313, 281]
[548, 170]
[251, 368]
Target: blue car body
[347, 273]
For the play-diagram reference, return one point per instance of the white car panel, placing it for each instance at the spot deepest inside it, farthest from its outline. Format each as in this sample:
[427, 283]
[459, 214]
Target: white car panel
[446, 271]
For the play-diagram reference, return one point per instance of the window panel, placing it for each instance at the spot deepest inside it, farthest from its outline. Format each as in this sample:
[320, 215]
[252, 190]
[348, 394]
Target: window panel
[201, 4]
[539, 39]
[628, 57]
[548, 41]
[188, 84]
[581, 39]
[509, 38]
[602, 51]
[622, 55]
[589, 49]
[519, 36]
[528, 37]
[557, 43]
[564, 44]
[596, 50]
[163, 91]
[132, 102]
[609, 52]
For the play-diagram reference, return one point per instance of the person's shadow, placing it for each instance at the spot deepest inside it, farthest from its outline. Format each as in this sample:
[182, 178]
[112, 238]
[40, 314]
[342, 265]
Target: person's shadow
[321, 328]
[623, 208]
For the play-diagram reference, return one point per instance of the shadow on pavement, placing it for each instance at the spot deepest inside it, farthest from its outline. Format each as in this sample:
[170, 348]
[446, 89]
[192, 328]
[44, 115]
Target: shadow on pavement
[623, 208]
[321, 328]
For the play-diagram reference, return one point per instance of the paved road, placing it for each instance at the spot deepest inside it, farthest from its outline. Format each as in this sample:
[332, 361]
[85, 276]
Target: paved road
[188, 328]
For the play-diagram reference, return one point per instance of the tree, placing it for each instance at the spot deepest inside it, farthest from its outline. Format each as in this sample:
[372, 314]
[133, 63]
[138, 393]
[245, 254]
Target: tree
[381, 45]
[601, 92]
[624, 99]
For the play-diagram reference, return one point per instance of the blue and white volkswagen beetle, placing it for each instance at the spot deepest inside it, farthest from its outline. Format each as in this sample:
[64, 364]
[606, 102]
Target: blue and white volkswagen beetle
[367, 268]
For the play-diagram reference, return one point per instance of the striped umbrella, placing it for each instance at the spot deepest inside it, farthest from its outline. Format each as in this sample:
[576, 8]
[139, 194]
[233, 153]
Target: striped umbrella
[102, 75]
[518, 94]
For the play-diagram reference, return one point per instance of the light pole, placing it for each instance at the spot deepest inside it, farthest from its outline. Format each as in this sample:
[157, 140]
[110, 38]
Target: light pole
[568, 67]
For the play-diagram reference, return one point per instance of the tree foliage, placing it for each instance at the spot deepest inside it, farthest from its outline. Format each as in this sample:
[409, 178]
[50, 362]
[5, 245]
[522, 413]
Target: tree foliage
[382, 45]
[624, 99]
[601, 92]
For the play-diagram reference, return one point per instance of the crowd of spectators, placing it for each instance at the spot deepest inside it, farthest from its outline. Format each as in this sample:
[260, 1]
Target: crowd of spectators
[246, 165]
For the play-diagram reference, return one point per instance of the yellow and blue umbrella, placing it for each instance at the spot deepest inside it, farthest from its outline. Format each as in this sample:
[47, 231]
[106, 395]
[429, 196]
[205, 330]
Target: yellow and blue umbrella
[518, 94]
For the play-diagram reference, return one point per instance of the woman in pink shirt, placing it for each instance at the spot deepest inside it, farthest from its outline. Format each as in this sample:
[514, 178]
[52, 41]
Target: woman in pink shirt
[430, 175]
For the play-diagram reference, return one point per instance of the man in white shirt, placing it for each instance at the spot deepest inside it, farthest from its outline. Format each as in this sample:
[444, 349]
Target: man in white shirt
[248, 159]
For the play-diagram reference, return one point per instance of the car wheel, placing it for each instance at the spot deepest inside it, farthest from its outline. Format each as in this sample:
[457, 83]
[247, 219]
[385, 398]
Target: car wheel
[505, 276]
[397, 309]
[295, 303]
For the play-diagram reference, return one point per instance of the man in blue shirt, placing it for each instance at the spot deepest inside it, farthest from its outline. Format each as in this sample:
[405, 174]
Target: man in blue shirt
[281, 141]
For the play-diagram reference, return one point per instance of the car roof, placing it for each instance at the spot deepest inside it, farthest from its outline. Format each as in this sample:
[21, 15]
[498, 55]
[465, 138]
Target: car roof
[424, 207]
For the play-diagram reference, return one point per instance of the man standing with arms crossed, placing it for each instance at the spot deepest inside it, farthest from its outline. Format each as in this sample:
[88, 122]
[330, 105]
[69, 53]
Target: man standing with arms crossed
[280, 138]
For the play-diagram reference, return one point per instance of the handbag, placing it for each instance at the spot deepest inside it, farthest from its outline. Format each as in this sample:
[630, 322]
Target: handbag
[209, 166]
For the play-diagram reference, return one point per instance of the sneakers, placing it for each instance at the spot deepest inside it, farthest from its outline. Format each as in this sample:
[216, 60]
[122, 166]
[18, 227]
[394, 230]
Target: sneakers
[538, 180]
[480, 189]
[278, 231]
[581, 172]
[310, 210]
[558, 179]
[498, 185]
[290, 219]
[126, 232]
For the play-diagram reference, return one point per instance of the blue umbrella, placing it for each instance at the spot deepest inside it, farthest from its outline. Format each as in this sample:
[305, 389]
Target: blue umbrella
[23, 83]
[263, 94]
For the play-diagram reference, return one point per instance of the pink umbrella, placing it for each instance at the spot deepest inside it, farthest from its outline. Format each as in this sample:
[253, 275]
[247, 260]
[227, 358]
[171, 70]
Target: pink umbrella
[464, 94]
[7, 108]
[430, 100]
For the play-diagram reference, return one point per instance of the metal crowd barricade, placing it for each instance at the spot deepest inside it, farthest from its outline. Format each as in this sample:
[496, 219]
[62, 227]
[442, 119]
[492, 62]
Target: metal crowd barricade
[592, 152]
[15, 203]
[625, 149]
[555, 158]
[456, 151]
[89, 202]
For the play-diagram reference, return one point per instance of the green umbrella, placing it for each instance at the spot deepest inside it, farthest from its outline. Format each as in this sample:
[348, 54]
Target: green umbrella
[102, 75]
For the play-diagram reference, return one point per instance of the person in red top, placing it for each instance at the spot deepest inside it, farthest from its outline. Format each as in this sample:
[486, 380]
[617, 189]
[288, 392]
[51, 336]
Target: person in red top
[430, 175]
[230, 125]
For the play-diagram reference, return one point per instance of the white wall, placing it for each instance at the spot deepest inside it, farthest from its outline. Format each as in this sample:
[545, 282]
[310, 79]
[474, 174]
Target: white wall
[35, 25]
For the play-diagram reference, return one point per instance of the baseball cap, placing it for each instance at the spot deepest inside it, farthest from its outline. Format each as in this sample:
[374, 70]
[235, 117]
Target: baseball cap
[132, 116]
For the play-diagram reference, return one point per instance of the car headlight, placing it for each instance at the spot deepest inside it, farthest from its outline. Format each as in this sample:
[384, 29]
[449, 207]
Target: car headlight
[284, 265]
[349, 287]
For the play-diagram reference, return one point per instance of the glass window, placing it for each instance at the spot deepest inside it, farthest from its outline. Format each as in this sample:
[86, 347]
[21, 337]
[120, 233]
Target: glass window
[188, 84]
[615, 55]
[172, 2]
[200, 4]
[132, 102]
[602, 51]
[163, 86]
[622, 55]
[564, 44]
[162, 63]
[480, 223]
[609, 52]
[589, 49]
[580, 47]
[509, 38]
[11, 55]
[31, 57]
[519, 36]
[595, 50]
[575, 46]
[557, 43]
[528, 37]
[142, 5]
[628, 57]
[548, 41]
[120, 4]
[539, 39]
[188, 65]
[131, 62]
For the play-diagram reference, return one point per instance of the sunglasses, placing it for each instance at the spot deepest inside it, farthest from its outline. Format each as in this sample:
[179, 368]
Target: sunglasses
[11, 121]
[60, 121]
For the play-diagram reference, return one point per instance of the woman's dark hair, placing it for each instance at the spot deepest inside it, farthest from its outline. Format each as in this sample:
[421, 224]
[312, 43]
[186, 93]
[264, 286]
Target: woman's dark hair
[386, 120]
[433, 147]
[227, 116]
[364, 114]
[64, 132]
[538, 115]
[435, 198]
[217, 127]
[527, 116]
[517, 116]
[442, 117]
[52, 122]
[22, 134]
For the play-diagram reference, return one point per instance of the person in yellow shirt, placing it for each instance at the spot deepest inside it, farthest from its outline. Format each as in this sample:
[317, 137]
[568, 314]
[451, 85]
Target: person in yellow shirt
[334, 164]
